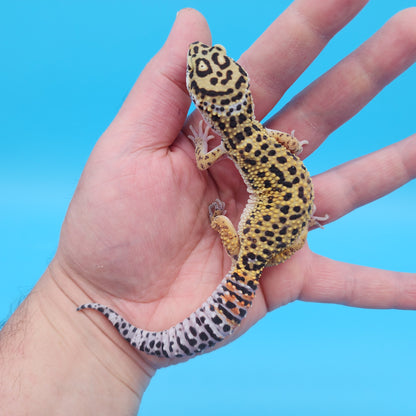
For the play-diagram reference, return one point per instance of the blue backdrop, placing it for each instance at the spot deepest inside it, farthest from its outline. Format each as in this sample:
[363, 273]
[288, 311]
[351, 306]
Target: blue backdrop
[67, 67]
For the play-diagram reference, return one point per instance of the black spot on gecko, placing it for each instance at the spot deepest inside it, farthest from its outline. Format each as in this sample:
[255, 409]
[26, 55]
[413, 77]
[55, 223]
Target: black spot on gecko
[237, 98]
[239, 137]
[230, 305]
[203, 336]
[248, 131]
[240, 81]
[242, 118]
[226, 62]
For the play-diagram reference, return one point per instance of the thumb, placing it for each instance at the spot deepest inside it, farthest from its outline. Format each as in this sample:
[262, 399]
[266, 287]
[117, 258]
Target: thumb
[157, 105]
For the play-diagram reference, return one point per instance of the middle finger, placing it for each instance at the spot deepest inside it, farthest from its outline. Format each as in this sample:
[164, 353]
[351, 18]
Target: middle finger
[340, 93]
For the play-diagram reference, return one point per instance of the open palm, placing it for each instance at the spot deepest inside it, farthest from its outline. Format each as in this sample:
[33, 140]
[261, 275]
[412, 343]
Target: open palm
[137, 236]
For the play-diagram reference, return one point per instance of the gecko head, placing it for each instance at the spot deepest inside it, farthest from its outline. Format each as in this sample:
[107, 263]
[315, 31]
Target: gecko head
[216, 83]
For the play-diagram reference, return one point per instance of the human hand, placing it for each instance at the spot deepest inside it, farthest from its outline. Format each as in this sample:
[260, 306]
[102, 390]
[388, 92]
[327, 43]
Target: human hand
[137, 236]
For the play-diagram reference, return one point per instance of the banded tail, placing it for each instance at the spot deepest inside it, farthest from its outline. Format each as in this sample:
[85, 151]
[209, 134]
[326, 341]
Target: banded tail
[216, 319]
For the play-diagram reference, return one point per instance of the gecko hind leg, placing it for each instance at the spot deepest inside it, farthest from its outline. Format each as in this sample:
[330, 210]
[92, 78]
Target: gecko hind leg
[315, 220]
[287, 252]
[224, 227]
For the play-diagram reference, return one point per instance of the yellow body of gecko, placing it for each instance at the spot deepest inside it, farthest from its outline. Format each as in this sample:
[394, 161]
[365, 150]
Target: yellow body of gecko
[274, 223]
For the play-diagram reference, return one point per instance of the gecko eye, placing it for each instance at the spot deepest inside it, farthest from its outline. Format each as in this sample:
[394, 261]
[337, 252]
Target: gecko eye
[203, 67]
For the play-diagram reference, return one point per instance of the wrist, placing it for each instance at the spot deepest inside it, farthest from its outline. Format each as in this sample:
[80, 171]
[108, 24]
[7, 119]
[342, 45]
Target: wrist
[61, 357]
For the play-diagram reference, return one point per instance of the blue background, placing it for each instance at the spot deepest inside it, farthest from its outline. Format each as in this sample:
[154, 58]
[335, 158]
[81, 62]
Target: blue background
[67, 67]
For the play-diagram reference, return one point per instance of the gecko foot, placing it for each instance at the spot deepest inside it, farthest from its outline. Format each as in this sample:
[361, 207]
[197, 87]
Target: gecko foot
[202, 134]
[216, 208]
[317, 220]
[300, 142]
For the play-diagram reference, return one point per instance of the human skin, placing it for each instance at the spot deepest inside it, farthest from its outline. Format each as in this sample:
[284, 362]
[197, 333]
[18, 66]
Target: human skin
[136, 236]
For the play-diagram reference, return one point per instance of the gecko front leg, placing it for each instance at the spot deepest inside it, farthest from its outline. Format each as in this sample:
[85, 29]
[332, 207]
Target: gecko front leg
[205, 159]
[288, 140]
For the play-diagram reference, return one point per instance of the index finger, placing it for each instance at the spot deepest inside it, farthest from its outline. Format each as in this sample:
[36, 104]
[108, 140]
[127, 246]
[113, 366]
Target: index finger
[290, 44]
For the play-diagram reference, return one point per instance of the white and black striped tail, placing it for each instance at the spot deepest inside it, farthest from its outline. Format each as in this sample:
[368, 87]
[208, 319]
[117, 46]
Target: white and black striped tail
[210, 324]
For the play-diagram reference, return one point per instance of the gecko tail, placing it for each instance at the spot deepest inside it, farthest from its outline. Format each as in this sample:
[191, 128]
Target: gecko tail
[185, 338]
[216, 319]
